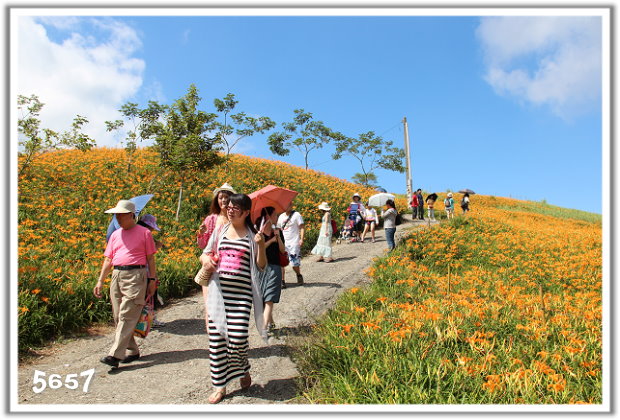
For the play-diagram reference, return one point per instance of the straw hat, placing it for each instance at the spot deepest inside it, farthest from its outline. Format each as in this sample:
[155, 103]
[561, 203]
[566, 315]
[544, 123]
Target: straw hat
[324, 206]
[225, 187]
[449, 194]
[123, 206]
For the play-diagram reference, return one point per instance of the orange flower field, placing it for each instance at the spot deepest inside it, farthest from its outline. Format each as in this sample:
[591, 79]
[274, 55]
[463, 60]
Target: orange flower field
[503, 306]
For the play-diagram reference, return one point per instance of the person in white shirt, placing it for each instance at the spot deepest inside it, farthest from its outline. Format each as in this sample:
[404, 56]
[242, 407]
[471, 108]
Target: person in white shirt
[370, 222]
[293, 229]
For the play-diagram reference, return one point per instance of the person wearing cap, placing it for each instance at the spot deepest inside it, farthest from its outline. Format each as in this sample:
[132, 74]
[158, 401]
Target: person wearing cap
[323, 247]
[355, 211]
[449, 205]
[217, 217]
[128, 253]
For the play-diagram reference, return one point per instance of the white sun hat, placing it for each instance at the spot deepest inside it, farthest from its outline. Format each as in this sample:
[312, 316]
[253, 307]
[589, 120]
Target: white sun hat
[123, 206]
[225, 187]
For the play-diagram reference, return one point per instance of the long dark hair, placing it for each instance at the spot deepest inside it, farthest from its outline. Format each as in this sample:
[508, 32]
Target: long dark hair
[264, 214]
[391, 203]
[215, 204]
[245, 204]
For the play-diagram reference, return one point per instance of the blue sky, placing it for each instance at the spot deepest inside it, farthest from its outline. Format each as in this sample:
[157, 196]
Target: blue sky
[504, 105]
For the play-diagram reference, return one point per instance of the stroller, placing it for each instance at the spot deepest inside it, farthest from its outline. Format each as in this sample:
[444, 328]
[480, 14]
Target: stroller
[346, 233]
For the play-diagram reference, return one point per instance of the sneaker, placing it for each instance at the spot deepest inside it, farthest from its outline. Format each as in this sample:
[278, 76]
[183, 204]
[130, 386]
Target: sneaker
[300, 279]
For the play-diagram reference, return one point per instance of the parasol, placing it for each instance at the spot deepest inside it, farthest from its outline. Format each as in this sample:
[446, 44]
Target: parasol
[378, 200]
[140, 202]
[271, 196]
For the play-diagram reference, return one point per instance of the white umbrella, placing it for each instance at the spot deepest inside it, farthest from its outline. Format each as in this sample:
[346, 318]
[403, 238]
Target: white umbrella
[378, 200]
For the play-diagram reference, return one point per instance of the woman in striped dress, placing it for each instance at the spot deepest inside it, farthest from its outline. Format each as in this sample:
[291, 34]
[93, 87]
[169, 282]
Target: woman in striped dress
[233, 289]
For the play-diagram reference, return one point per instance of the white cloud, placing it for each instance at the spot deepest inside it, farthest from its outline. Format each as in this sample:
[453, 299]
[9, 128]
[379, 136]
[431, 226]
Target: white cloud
[552, 61]
[91, 72]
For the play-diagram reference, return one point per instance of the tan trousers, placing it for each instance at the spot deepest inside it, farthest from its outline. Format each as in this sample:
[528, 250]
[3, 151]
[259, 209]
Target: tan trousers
[128, 294]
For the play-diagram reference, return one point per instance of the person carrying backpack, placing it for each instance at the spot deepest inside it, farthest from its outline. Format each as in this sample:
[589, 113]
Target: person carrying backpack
[449, 205]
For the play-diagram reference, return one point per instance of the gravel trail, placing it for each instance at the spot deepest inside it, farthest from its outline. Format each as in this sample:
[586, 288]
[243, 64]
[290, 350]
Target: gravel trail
[174, 366]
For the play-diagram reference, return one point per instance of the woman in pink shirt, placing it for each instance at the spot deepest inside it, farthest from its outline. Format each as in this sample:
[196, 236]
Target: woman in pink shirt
[218, 217]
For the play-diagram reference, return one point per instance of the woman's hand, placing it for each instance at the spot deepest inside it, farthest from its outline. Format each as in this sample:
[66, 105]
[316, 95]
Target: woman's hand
[207, 262]
[259, 239]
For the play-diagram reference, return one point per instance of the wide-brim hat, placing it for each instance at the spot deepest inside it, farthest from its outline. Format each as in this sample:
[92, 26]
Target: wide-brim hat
[150, 221]
[324, 206]
[357, 195]
[123, 206]
[449, 194]
[225, 187]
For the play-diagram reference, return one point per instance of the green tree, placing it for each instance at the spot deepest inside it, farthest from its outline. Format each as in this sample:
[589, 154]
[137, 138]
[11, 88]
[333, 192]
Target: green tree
[35, 140]
[368, 179]
[145, 124]
[184, 142]
[235, 127]
[303, 134]
[182, 134]
[372, 152]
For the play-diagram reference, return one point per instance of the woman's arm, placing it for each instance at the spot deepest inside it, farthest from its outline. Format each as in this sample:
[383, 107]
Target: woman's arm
[261, 256]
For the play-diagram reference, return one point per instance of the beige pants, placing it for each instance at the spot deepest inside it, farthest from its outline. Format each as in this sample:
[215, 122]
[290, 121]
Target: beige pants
[128, 294]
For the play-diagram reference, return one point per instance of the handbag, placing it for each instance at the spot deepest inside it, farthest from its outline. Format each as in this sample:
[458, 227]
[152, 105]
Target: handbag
[143, 327]
[284, 259]
[203, 275]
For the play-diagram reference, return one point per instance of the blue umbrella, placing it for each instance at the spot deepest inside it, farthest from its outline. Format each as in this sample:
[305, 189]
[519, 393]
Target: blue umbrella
[140, 202]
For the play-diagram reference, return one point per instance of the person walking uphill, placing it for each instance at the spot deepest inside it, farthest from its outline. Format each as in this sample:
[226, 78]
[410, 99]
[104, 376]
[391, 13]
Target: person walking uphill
[271, 284]
[233, 288]
[449, 205]
[128, 253]
[217, 217]
[323, 247]
[293, 229]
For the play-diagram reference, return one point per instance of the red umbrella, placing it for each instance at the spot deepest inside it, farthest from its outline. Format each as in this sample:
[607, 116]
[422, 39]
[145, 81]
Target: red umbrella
[271, 196]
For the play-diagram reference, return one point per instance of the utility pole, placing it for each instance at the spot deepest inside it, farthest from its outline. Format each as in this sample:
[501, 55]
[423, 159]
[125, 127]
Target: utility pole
[407, 153]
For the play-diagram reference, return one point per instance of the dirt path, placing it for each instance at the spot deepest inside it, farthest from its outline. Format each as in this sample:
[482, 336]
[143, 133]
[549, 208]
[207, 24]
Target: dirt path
[174, 366]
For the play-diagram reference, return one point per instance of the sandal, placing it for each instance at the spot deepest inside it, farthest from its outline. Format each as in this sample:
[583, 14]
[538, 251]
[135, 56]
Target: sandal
[246, 381]
[217, 396]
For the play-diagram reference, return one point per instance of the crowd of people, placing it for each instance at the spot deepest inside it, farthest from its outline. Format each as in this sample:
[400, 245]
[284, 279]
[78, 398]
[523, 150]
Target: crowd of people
[418, 200]
[245, 260]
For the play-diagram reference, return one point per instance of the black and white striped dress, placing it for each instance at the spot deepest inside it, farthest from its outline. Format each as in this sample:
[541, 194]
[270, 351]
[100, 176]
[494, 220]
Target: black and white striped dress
[229, 361]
